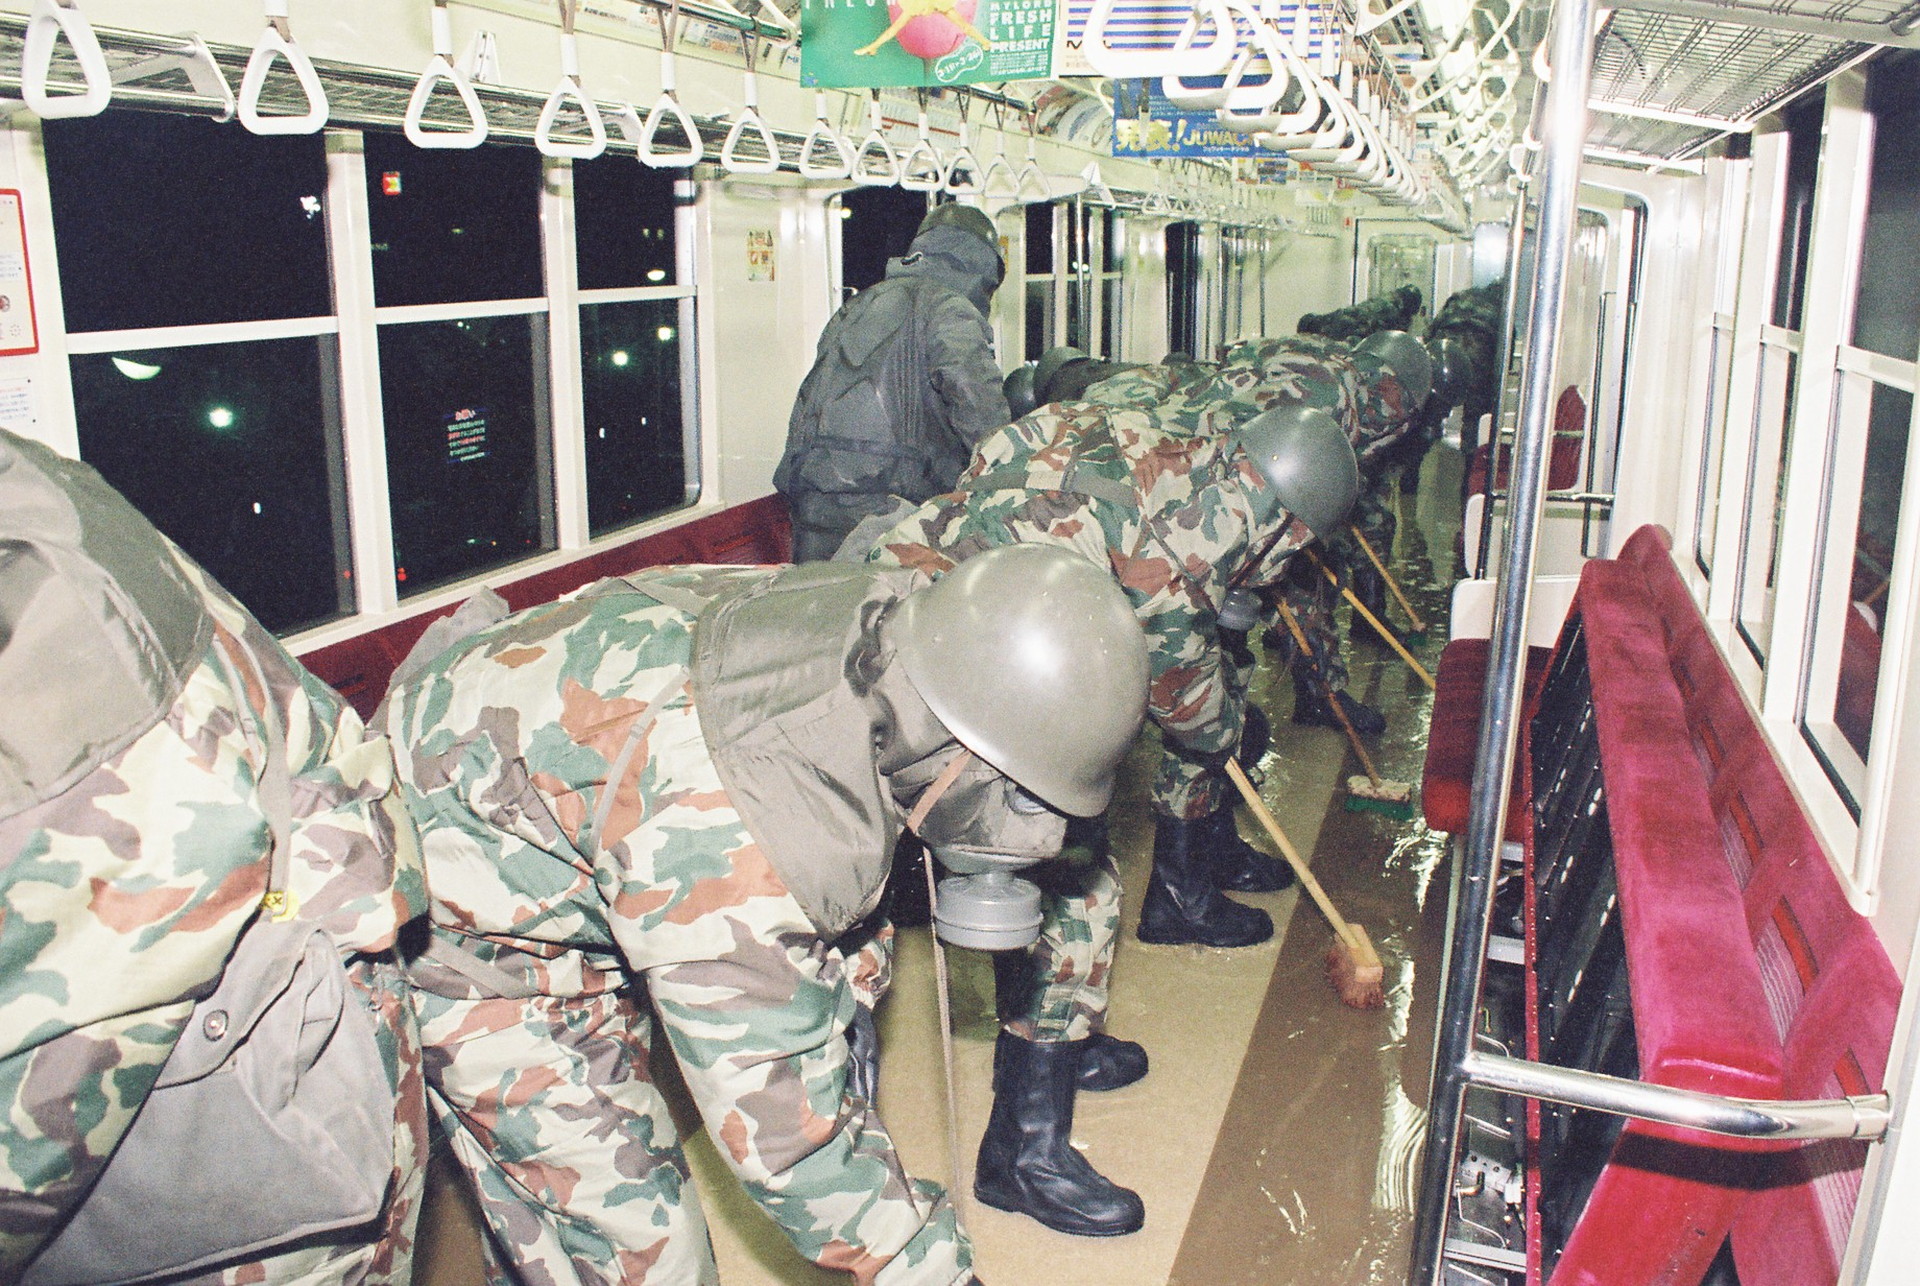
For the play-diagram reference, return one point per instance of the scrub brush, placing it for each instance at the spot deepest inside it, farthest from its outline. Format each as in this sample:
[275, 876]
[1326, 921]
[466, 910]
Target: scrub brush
[1371, 793]
[1353, 967]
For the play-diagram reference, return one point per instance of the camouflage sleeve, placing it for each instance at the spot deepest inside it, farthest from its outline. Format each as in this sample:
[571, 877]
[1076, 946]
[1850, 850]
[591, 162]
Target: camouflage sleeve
[1187, 694]
[961, 371]
[760, 1036]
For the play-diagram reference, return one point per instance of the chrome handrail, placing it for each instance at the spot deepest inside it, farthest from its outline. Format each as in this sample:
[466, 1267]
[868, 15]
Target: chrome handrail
[1857, 1116]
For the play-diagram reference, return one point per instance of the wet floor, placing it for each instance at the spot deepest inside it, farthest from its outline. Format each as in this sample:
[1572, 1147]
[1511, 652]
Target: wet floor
[1275, 1139]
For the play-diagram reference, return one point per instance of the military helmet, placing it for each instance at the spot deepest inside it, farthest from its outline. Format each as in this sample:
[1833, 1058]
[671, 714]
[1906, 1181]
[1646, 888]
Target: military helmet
[1018, 387]
[1452, 370]
[1307, 461]
[966, 218]
[1032, 658]
[1052, 362]
[1402, 354]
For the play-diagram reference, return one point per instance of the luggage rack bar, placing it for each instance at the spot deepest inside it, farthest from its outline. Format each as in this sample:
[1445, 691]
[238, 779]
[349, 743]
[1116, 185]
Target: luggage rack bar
[1859, 1116]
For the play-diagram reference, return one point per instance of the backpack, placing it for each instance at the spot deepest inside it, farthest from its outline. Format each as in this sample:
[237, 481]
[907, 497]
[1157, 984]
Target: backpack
[186, 1073]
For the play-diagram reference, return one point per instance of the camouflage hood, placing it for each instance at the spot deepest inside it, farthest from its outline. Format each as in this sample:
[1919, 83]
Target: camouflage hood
[781, 673]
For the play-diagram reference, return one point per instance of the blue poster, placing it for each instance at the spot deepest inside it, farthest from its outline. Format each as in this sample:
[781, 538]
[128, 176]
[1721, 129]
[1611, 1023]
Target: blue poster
[1146, 124]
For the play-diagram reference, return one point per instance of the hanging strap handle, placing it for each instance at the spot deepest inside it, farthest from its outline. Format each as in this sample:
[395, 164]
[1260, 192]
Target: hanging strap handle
[567, 91]
[51, 20]
[963, 162]
[922, 169]
[1034, 186]
[824, 135]
[749, 124]
[277, 42]
[439, 69]
[875, 165]
[667, 108]
[1184, 58]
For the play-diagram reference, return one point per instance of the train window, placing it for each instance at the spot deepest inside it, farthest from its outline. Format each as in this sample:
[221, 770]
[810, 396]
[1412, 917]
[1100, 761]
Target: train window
[1040, 284]
[167, 220]
[1766, 489]
[1838, 699]
[1112, 297]
[1183, 286]
[623, 221]
[468, 461]
[453, 226]
[1803, 122]
[630, 381]
[225, 449]
[877, 224]
[1886, 318]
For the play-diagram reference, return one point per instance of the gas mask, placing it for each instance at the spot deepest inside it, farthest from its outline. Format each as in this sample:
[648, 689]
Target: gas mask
[983, 828]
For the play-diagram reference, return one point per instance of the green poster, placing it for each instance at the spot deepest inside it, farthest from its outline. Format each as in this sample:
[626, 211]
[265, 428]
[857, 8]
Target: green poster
[864, 44]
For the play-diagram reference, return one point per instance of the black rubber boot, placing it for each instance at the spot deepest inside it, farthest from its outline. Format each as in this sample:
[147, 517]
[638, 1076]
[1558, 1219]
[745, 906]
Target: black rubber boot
[1106, 1062]
[1238, 866]
[1311, 708]
[1371, 589]
[1182, 903]
[1028, 1163]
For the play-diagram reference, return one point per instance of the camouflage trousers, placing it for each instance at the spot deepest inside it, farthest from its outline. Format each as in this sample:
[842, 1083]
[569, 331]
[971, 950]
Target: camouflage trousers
[1058, 990]
[551, 1108]
[1307, 595]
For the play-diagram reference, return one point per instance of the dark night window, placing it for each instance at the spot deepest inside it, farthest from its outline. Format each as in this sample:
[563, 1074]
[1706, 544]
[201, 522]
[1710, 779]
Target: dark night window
[180, 221]
[453, 226]
[468, 470]
[877, 224]
[1040, 240]
[225, 449]
[630, 379]
[623, 216]
[1804, 120]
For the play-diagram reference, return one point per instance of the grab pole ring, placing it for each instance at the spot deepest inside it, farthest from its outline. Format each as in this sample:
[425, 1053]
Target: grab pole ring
[667, 108]
[825, 135]
[441, 68]
[277, 42]
[750, 125]
[922, 169]
[569, 90]
[51, 20]
[875, 146]
[963, 160]
[1183, 58]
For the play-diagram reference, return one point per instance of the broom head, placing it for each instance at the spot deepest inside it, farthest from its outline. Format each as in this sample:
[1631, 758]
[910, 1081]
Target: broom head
[1388, 798]
[1357, 974]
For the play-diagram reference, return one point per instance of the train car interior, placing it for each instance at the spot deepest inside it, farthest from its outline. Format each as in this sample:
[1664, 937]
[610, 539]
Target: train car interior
[365, 339]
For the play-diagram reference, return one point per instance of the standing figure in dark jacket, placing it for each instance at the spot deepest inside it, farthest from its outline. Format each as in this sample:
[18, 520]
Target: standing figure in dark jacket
[903, 385]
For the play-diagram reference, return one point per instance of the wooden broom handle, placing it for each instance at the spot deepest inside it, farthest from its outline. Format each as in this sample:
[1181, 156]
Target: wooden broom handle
[1393, 640]
[1258, 807]
[1399, 596]
[1333, 703]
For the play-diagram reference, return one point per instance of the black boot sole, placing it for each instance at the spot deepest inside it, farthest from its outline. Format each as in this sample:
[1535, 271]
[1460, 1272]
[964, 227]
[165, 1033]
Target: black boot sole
[1012, 1205]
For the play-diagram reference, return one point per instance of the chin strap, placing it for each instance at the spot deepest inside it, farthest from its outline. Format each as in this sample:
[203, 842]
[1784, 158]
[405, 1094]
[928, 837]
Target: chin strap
[928, 798]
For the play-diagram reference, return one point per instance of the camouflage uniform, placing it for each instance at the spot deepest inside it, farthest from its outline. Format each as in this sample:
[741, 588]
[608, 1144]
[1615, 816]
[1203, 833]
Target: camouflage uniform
[574, 894]
[1174, 515]
[1472, 319]
[126, 893]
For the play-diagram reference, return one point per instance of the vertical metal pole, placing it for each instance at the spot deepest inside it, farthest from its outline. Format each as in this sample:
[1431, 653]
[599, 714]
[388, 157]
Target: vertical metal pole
[1564, 138]
[1503, 356]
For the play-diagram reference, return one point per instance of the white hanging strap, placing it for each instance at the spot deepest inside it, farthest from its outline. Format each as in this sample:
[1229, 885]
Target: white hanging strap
[965, 176]
[1185, 57]
[1034, 184]
[439, 69]
[1097, 191]
[999, 182]
[1367, 17]
[1263, 46]
[51, 20]
[277, 42]
[840, 151]
[667, 108]
[875, 165]
[749, 125]
[568, 91]
[922, 169]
